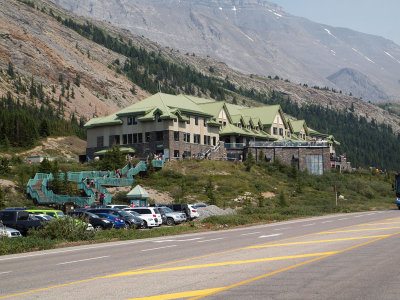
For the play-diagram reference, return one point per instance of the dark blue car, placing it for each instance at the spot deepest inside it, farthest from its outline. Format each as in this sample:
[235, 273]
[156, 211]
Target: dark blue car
[118, 222]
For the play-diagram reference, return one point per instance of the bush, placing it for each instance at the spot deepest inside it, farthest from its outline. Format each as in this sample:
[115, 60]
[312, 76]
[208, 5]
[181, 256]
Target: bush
[67, 229]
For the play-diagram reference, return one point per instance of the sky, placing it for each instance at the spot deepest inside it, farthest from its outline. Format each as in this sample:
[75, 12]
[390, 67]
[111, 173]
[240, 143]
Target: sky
[369, 16]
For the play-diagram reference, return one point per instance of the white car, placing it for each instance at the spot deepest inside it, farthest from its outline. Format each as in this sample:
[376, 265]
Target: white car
[193, 212]
[9, 232]
[149, 221]
[118, 206]
[148, 213]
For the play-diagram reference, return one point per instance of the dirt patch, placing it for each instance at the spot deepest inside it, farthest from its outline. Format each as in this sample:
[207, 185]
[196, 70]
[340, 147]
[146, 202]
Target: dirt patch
[268, 195]
[68, 147]
[155, 196]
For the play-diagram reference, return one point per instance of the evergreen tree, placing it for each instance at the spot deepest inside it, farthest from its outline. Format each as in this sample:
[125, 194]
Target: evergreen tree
[250, 161]
[10, 70]
[45, 166]
[210, 192]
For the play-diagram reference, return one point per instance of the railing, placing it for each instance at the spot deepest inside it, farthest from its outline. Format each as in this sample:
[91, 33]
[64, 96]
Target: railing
[115, 181]
[287, 144]
[140, 167]
[234, 146]
[158, 163]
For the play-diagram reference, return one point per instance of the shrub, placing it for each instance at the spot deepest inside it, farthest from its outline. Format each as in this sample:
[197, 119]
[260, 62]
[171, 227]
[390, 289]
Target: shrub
[68, 229]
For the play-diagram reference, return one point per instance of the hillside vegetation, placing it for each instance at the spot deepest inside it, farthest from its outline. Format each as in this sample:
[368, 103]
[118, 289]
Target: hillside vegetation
[367, 133]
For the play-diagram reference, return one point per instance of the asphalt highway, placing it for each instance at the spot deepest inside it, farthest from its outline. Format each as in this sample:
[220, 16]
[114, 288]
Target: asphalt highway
[343, 256]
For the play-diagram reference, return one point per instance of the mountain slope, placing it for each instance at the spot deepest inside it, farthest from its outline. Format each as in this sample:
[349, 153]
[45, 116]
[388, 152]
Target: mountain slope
[255, 36]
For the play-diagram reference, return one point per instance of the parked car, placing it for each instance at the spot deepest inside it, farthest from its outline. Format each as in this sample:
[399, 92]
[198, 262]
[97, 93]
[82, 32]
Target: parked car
[51, 212]
[197, 205]
[118, 206]
[97, 222]
[116, 220]
[9, 232]
[41, 217]
[130, 220]
[148, 221]
[149, 212]
[173, 217]
[19, 219]
[57, 214]
[191, 213]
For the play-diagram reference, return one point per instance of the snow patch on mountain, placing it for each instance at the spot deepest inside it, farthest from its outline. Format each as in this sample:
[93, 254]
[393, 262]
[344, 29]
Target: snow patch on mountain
[330, 33]
[366, 57]
[391, 56]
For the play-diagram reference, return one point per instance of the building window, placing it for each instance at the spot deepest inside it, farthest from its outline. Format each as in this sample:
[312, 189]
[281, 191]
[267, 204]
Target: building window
[274, 130]
[140, 138]
[205, 140]
[281, 131]
[224, 123]
[134, 120]
[186, 137]
[208, 140]
[288, 133]
[205, 121]
[196, 138]
[176, 153]
[196, 120]
[315, 164]
[147, 137]
[134, 138]
[114, 140]
[124, 139]
[158, 117]
[100, 141]
[214, 140]
[129, 138]
[159, 136]
[188, 121]
[176, 136]
[130, 120]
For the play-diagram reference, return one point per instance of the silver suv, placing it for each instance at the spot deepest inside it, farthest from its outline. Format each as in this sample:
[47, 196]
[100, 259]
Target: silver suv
[173, 217]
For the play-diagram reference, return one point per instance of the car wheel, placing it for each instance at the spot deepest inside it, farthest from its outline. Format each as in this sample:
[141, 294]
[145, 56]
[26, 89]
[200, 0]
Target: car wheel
[145, 225]
[170, 222]
[98, 228]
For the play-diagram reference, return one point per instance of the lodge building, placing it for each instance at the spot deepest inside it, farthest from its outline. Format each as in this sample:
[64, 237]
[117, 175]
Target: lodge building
[182, 126]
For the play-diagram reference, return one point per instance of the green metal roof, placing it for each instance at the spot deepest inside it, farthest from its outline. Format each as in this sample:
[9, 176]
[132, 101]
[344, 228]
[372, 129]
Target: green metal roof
[107, 120]
[266, 114]
[121, 149]
[315, 133]
[298, 125]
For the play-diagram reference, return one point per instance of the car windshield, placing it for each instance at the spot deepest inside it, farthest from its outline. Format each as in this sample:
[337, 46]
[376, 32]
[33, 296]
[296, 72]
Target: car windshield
[60, 214]
[124, 213]
[133, 213]
[167, 210]
[91, 215]
[156, 211]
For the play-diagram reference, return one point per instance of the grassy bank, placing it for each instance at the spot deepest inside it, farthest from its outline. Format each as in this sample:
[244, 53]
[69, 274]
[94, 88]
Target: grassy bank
[262, 193]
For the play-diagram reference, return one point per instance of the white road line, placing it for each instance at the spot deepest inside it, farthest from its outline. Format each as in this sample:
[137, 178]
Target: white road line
[308, 224]
[75, 261]
[210, 240]
[144, 250]
[282, 228]
[187, 240]
[342, 219]
[326, 222]
[5, 272]
[270, 235]
[250, 233]
[359, 216]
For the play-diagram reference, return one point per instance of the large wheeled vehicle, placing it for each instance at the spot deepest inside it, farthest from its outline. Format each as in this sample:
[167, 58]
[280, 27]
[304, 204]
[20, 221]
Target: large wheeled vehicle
[397, 187]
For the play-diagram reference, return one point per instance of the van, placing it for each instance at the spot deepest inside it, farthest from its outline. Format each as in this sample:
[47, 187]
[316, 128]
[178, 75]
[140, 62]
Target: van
[51, 212]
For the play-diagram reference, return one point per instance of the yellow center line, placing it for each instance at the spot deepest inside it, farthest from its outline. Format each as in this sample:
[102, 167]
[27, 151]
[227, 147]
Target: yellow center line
[226, 263]
[180, 295]
[354, 230]
[371, 224]
[316, 242]
[287, 268]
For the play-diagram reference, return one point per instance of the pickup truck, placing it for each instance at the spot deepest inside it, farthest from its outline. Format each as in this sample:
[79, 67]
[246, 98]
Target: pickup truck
[19, 219]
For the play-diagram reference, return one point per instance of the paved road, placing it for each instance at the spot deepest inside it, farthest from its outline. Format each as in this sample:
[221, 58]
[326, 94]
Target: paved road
[346, 256]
